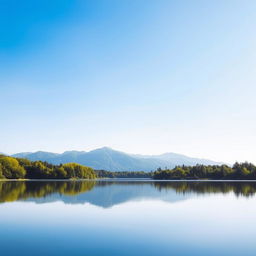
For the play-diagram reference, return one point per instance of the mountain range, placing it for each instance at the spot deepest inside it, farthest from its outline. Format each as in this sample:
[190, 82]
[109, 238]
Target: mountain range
[112, 160]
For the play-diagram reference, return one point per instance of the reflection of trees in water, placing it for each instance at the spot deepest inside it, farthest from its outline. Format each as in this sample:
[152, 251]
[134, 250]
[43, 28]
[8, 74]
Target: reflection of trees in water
[13, 191]
[21, 190]
[239, 188]
[10, 191]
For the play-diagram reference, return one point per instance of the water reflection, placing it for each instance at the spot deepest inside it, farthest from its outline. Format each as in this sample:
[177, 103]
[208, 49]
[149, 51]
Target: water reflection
[244, 189]
[108, 193]
[128, 218]
[20, 190]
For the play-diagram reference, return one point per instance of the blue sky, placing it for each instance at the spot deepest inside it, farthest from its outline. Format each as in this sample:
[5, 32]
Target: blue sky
[139, 76]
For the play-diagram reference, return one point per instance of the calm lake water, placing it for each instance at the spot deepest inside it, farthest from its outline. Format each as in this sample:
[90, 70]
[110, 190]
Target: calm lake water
[122, 217]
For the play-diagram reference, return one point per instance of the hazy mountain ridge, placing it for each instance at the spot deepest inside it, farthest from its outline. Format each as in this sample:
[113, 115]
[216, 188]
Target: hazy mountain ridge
[112, 160]
[179, 159]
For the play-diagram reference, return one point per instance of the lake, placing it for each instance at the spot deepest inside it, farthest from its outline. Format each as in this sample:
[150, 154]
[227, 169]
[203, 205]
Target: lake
[127, 217]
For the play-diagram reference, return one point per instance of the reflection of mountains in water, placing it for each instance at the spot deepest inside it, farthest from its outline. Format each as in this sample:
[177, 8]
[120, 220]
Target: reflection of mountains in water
[107, 194]
[111, 192]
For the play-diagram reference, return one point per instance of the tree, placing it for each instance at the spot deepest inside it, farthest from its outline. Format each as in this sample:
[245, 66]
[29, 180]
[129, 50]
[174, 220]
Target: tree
[238, 171]
[1, 172]
[179, 173]
[74, 170]
[60, 173]
[11, 168]
[226, 171]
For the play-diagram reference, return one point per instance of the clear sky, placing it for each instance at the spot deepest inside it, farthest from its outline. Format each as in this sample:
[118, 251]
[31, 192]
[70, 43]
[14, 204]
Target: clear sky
[138, 76]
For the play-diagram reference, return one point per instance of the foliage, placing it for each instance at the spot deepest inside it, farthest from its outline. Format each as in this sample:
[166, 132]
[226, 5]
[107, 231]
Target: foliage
[74, 170]
[1, 172]
[19, 168]
[108, 174]
[242, 171]
[10, 168]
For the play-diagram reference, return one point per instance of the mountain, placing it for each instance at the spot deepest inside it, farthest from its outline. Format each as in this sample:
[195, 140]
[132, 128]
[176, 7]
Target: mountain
[179, 159]
[112, 160]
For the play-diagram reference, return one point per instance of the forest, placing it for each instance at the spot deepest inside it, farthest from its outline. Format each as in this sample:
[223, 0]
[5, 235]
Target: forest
[239, 171]
[108, 174]
[19, 168]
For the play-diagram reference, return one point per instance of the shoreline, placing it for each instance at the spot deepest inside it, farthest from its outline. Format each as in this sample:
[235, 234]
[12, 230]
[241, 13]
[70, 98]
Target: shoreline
[131, 179]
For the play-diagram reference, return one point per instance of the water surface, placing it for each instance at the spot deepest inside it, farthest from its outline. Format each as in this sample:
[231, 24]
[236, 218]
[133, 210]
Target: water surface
[127, 217]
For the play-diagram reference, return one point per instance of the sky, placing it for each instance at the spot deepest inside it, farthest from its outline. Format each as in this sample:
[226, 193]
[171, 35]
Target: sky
[140, 76]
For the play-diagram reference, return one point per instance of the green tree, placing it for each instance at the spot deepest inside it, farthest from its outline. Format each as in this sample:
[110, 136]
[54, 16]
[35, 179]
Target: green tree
[11, 168]
[78, 171]
[1, 172]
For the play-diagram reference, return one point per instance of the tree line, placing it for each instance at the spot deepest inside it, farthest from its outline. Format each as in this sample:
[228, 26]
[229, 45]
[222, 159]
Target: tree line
[135, 174]
[19, 168]
[239, 171]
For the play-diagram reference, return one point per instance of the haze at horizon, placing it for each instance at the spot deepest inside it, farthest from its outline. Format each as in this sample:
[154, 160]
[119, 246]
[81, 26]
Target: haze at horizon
[142, 77]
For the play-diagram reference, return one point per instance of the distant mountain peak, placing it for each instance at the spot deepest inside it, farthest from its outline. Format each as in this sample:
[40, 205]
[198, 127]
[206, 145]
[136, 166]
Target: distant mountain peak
[104, 149]
[73, 152]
